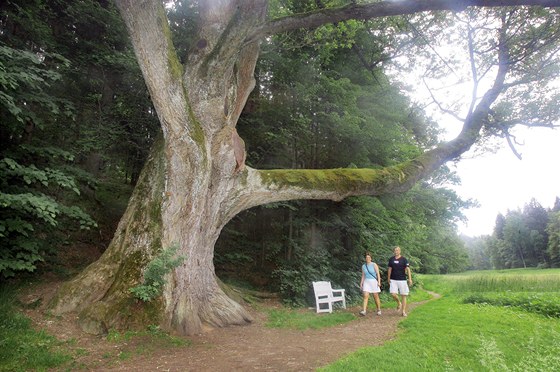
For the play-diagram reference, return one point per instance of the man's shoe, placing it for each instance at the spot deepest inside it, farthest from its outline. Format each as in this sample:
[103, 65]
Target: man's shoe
[399, 307]
[404, 314]
[378, 312]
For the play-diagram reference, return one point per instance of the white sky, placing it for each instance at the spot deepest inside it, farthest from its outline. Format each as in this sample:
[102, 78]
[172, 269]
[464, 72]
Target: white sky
[497, 181]
[501, 182]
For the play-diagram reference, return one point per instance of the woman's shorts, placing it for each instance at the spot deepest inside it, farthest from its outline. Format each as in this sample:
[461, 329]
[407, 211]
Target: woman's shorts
[398, 286]
[371, 286]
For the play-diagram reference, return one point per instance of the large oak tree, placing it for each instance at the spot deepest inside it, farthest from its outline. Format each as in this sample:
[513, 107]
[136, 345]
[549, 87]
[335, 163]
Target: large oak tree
[195, 179]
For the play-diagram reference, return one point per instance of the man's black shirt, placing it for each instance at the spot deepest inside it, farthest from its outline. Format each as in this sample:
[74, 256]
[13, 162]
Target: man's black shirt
[398, 268]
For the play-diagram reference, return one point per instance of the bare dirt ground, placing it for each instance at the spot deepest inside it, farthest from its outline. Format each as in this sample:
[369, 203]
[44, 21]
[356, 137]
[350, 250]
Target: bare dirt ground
[237, 348]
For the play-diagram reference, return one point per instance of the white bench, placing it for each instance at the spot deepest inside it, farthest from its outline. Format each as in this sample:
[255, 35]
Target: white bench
[324, 294]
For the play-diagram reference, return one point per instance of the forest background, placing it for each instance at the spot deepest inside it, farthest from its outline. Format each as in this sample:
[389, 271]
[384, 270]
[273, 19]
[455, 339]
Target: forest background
[77, 124]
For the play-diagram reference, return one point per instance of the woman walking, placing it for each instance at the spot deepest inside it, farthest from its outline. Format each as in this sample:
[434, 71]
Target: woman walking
[371, 283]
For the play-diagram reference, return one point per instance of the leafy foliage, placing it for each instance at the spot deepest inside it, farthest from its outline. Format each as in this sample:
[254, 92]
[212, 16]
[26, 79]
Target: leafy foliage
[24, 82]
[553, 231]
[29, 174]
[74, 109]
[154, 276]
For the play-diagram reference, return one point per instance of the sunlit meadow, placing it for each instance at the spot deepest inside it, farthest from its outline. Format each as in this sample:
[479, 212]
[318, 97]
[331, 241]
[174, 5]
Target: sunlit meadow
[485, 321]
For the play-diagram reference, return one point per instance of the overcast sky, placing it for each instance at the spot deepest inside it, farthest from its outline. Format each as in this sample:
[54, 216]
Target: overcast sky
[501, 181]
[497, 181]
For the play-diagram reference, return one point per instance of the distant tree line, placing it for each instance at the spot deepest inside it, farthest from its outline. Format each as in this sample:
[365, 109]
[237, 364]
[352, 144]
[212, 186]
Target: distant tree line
[522, 238]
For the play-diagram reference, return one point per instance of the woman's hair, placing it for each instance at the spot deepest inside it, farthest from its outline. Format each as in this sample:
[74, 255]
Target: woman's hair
[367, 254]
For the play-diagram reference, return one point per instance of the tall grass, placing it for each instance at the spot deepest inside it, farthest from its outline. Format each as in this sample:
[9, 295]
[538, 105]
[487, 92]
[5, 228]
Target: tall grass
[515, 281]
[547, 304]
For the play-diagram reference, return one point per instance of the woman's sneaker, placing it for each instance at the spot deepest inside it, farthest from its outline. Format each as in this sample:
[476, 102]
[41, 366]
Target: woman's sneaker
[378, 312]
[362, 313]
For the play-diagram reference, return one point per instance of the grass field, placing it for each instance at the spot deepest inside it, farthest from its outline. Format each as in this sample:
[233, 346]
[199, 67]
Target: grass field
[473, 328]
[516, 280]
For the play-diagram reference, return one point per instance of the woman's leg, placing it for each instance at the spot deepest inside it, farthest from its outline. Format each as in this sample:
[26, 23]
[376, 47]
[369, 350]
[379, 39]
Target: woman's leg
[377, 302]
[366, 298]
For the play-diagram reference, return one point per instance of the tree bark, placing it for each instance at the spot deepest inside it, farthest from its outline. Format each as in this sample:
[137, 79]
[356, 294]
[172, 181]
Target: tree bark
[194, 181]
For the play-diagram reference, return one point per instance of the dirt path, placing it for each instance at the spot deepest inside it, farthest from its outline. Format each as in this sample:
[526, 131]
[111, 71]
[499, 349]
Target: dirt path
[241, 348]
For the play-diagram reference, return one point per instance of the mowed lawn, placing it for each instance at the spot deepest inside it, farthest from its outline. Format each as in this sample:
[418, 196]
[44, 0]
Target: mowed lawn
[506, 320]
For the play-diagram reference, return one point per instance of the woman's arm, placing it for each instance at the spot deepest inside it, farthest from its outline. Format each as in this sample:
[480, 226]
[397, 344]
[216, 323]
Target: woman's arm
[363, 277]
[376, 268]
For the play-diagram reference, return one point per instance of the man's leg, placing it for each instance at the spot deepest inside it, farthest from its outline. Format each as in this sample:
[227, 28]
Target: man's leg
[404, 313]
[394, 290]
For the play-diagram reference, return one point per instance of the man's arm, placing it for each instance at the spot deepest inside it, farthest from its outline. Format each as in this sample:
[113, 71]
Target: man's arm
[409, 274]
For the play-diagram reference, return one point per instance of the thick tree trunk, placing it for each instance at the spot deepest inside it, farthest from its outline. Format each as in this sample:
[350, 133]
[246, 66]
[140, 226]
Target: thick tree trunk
[156, 217]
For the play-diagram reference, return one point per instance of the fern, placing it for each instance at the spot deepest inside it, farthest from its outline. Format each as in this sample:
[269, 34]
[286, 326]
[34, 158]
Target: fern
[154, 276]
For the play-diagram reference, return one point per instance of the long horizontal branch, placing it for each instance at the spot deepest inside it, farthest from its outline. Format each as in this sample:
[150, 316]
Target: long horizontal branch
[260, 187]
[320, 17]
[269, 186]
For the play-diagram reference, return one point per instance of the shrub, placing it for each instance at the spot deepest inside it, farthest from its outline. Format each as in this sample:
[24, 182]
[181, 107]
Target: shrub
[541, 303]
[154, 276]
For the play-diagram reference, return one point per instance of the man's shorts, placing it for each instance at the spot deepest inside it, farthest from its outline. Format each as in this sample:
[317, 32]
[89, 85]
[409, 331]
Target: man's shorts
[398, 286]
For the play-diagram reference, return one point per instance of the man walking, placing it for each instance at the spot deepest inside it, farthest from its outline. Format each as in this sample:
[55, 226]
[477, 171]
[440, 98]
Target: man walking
[397, 274]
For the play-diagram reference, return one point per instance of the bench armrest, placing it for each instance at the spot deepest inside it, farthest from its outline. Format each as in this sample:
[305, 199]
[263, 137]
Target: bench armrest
[341, 291]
